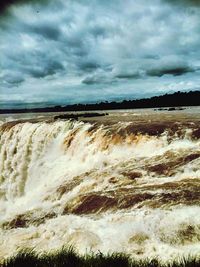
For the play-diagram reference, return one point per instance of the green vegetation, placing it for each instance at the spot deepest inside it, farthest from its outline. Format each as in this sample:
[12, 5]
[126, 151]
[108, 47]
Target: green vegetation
[67, 257]
[177, 99]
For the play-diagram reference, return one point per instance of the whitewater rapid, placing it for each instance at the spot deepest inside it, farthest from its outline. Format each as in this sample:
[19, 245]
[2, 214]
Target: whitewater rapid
[99, 187]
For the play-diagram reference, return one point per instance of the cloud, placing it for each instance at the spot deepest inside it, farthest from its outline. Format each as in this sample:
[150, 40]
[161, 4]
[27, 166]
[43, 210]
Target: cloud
[176, 71]
[98, 77]
[185, 2]
[46, 31]
[46, 68]
[5, 4]
[170, 66]
[75, 50]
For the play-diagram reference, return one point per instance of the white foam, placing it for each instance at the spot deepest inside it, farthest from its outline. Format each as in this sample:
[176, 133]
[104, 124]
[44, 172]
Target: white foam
[34, 160]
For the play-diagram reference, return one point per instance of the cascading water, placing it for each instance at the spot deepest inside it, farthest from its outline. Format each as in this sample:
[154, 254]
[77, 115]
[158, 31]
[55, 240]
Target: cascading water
[99, 187]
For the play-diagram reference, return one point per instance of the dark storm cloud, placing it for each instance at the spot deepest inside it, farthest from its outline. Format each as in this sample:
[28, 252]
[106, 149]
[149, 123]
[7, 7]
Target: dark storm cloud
[157, 69]
[185, 2]
[88, 65]
[171, 71]
[47, 31]
[135, 75]
[13, 79]
[171, 66]
[74, 49]
[5, 4]
[46, 69]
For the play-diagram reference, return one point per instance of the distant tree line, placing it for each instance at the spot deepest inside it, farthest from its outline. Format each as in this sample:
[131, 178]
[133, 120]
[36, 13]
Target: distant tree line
[177, 99]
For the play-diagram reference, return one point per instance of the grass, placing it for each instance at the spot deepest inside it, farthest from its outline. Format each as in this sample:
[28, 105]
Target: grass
[68, 257]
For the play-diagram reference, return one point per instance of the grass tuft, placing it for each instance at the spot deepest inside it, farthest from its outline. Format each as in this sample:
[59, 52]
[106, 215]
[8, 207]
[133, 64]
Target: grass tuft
[68, 257]
[24, 258]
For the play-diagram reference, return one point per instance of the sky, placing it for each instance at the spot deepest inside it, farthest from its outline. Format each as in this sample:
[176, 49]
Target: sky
[86, 51]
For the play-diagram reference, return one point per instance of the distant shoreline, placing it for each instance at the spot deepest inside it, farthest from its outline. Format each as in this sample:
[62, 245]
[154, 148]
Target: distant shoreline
[178, 99]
